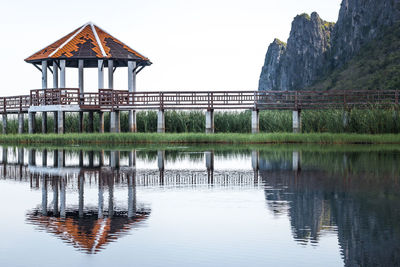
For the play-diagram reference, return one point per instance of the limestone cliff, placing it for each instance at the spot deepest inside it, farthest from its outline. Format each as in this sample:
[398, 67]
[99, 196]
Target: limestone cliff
[316, 48]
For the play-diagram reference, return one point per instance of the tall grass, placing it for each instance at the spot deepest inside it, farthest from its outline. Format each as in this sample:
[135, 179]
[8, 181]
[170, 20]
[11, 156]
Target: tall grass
[366, 121]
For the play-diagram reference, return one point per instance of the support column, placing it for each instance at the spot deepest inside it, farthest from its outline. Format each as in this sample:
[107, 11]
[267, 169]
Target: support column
[55, 122]
[210, 121]
[255, 121]
[132, 121]
[44, 74]
[100, 70]
[91, 126]
[55, 74]
[118, 121]
[62, 73]
[101, 122]
[113, 122]
[161, 121]
[4, 124]
[44, 122]
[60, 119]
[20, 123]
[80, 72]
[346, 118]
[296, 121]
[110, 74]
[31, 122]
[81, 122]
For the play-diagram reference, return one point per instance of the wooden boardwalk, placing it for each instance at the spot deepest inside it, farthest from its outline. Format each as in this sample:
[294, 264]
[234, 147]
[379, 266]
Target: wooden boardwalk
[108, 100]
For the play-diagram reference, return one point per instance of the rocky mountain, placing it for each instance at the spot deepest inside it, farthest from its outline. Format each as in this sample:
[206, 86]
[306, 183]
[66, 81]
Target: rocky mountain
[316, 49]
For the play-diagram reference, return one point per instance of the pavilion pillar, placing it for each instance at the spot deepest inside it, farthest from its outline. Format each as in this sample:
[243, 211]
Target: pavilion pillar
[296, 119]
[62, 73]
[210, 121]
[60, 119]
[80, 72]
[255, 121]
[44, 122]
[91, 126]
[4, 123]
[44, 74]
[346, 117]
[110, 74]
[100, 68]
[101, 122]
[160, 121]
[20, 123]
[55, 122]
[132, 89]
[55, 74]
[81, 123]
[31, 122]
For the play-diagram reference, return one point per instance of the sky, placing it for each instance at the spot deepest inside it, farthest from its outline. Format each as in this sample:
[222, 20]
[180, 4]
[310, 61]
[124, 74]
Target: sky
[194, 45]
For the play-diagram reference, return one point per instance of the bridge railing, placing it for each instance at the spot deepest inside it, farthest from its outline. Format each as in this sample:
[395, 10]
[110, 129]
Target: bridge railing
[282, 100]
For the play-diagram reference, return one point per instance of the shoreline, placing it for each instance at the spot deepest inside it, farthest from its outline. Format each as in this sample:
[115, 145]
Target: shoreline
[199, 138]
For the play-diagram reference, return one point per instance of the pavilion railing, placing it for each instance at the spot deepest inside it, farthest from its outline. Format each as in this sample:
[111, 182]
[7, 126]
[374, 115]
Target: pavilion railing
[108, 99]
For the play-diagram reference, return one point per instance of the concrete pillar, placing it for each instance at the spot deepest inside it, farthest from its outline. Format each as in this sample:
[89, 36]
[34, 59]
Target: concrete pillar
[4, 124]
[62, 197]
[81, 182]
[131, 196]
[296, 119]
[60, 119]
[118, 121]
[44, 195]
[210, 121]
[20, 123]
[100, 70]
[296, 160]
[101, 122]
[55, 122]
[31, 122]
[131, 76]
[91, 123]
[44, 122]
[160, 121]
[132, 121]
[255, 121]
[44, 157]
[44, 74]
[55, 74]
[62, 73]
[110, 74]
[80, 72]
[113, 122]
[209, 160]
[346, 118]
[20, 155]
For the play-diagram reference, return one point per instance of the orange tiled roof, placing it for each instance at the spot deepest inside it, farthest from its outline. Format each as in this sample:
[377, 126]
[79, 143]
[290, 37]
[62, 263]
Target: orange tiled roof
[87, 42]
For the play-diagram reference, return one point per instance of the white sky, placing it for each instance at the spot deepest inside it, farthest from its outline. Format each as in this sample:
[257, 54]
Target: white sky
[194, 45]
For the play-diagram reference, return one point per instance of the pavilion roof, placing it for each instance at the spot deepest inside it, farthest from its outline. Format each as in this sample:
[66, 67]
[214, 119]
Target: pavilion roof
[88, 42]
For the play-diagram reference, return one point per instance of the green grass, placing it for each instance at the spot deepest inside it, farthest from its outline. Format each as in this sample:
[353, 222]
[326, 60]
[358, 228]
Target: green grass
[199, 138]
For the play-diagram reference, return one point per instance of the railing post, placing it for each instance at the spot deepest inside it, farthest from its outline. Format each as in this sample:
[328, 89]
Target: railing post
[20, 103]
[4, 104]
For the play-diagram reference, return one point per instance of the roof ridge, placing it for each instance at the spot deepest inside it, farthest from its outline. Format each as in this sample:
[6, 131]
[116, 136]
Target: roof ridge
[69, 39]
[96, 36]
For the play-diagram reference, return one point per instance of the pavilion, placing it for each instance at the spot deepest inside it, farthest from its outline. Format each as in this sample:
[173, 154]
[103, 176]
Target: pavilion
[88, 46]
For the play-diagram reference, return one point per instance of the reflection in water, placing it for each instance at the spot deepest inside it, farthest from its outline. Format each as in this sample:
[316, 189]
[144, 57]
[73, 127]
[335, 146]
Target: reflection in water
[352, 194]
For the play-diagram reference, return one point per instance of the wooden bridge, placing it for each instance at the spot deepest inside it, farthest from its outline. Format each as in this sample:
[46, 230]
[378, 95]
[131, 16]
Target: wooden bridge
[61, 100]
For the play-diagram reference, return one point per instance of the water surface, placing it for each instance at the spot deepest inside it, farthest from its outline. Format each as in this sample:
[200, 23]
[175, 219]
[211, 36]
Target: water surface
[275, 205]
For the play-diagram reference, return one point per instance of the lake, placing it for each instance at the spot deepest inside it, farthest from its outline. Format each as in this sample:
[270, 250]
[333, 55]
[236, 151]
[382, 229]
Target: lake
[277, 205]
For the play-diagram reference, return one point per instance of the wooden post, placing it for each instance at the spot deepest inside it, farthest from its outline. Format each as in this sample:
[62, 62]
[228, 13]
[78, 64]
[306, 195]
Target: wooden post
[4, 123]
[101, 122]
[62, 73]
